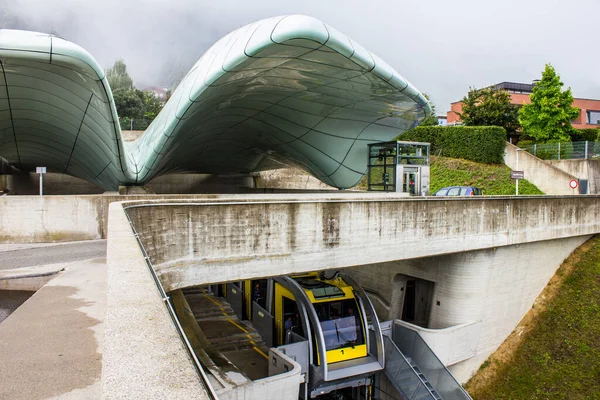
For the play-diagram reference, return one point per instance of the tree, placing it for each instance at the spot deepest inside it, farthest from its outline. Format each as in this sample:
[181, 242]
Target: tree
[489, 107]
[548, 117]
[152, 105]
[431, 120]
[118, 78]
[129, 103]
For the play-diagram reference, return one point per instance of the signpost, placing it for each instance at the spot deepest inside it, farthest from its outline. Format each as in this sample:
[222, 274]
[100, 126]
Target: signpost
[41, 171]
[573, 184]
[517, 175]
[517, 170]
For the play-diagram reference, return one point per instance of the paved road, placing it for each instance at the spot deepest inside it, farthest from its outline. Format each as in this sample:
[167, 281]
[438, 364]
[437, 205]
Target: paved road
[52, 254]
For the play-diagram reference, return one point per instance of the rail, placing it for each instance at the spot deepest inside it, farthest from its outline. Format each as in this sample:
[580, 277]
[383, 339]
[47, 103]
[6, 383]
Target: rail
[565, 150]
[167, 301]
[402, 375]
[412, 345]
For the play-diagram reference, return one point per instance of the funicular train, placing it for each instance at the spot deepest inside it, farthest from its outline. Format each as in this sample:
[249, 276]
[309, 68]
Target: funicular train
[326, 323]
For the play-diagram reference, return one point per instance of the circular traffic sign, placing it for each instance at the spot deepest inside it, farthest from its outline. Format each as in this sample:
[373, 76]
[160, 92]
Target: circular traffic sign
[573, 184]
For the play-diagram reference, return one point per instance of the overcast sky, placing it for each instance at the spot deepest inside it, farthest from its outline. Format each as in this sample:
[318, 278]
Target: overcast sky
[441, 46]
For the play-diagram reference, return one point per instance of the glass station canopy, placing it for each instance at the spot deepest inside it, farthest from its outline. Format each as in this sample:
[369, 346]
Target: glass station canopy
[284, 91]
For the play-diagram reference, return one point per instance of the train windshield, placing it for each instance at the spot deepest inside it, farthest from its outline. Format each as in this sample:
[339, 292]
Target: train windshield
[341, 324]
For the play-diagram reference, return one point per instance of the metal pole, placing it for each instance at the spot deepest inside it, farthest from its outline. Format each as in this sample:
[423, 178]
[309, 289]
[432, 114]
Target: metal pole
[41, 183]
[586, 150]
[517, 186]
[559, 150]
[535, 149]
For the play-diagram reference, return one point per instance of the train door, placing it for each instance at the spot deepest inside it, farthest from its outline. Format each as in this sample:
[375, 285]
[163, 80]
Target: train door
[255, 291]
[288, 323]
[234, 294]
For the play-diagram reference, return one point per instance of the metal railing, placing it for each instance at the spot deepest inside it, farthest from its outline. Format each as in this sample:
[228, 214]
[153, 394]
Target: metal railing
[167, 301]
[412, 345]
[565, 150]
[402, 376]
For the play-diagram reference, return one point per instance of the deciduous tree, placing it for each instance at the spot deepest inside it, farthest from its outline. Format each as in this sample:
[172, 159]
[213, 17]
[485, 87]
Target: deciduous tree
[489, 107]
[118, 78]
[131, 103]
[548, 117]
[431, 120]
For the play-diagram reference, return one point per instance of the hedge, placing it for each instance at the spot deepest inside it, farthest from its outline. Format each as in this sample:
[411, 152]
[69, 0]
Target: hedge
[484, 144]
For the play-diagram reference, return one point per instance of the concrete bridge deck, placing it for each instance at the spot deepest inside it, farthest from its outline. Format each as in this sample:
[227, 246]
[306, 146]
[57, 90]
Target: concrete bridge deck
[191, 242]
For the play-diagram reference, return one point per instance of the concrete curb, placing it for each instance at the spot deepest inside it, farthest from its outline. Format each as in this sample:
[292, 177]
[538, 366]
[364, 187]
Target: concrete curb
[29, 278]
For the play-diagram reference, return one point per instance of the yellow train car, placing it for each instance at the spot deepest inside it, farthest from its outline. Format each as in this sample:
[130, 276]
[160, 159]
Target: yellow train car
[328, 321]
[339, 315]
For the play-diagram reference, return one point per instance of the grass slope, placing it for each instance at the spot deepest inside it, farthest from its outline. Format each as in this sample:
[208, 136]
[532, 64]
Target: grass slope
[494, 179]
[558, 355]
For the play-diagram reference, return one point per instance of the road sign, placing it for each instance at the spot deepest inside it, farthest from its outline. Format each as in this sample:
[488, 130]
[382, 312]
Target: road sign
[573, 184]
[517, 174]
[40, 170]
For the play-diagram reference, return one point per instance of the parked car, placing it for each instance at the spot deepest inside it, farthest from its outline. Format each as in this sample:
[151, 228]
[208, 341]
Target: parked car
[459, 191]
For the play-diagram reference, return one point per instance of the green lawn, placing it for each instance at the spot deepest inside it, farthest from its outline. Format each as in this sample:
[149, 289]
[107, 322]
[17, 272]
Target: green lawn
[494, 179]
[560, 357]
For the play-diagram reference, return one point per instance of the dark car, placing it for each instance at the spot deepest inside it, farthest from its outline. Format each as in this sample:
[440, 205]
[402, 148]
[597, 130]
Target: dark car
[459, 191]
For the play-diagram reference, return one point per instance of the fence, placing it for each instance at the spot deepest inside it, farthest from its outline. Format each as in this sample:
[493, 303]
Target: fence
[138, 124]
[565, 151]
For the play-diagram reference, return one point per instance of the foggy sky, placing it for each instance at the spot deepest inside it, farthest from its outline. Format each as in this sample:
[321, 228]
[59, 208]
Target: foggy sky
[441, 46]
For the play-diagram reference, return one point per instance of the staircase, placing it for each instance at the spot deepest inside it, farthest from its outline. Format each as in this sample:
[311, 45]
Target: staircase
[415, 371]
[405, 375]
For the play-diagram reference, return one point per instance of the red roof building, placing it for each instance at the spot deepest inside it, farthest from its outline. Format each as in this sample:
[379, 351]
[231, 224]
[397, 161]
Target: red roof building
[589, 110]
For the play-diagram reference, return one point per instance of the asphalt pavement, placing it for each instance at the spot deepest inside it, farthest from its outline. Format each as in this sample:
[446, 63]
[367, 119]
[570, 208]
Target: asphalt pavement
[27, 255]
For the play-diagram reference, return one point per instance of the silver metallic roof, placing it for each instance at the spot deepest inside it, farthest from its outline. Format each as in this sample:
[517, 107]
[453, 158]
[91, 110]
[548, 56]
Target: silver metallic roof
[284, 91]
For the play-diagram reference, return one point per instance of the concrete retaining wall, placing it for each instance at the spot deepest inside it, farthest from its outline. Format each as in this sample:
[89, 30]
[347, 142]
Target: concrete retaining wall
[191, 244]
[548, 178]
[582, 169]
[479, 296]
[29, 219]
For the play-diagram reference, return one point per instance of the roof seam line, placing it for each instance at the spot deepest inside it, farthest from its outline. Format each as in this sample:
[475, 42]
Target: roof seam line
[12, 121]
[78, 132]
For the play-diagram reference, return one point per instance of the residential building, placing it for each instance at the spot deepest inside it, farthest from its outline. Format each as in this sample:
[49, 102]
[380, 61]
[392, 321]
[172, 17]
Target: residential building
[589, 109]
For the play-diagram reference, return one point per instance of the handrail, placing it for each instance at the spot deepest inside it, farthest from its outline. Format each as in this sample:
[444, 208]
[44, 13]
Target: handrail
[167, 301]
[421, 387]
[399, 328]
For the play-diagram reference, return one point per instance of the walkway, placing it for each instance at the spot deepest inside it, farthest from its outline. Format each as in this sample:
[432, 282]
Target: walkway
[51, 346]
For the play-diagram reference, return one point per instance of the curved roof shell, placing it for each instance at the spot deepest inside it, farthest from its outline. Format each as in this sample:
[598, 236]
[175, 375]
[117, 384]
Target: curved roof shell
[284, 91]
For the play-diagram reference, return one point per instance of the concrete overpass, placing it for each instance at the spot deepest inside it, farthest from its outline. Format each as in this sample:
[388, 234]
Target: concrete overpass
[478, 263]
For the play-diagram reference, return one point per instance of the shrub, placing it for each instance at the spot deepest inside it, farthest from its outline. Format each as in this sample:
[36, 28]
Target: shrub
[524, 143]
[587, 134]
[476, 143]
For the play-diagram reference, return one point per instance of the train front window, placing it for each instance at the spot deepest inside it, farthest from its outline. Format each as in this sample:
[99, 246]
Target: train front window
[341, 324]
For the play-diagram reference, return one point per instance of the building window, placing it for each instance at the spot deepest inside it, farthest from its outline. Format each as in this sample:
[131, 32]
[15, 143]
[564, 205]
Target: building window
[592, 117]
